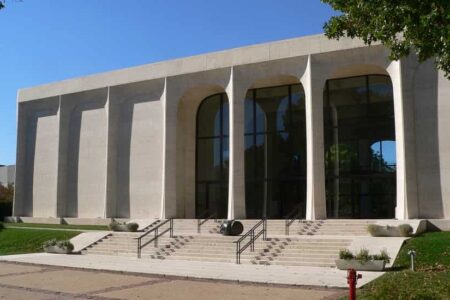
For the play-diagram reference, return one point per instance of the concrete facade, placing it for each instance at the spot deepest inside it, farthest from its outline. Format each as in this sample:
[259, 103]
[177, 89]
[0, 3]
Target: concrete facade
[122, 144]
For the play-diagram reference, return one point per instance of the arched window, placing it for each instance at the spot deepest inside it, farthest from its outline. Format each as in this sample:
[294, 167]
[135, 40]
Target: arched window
[212, 157]
[359, 132]
[275, 152]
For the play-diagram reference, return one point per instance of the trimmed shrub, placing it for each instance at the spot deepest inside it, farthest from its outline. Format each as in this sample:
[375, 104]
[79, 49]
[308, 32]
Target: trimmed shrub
[374, 229]
[133, 227]
[401, 230]
[113, 225]
[118, 226]
[64, 244]
[405, 230]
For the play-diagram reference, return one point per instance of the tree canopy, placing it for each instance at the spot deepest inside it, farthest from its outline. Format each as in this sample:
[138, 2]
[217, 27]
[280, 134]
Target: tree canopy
[404, 26]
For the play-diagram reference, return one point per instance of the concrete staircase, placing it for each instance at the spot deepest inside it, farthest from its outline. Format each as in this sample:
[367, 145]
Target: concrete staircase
[331, 227]
[301, 252]
[310, 243]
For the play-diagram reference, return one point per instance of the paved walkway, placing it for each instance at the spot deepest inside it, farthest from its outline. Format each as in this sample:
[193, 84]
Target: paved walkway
[52, 229]
[299, 276]
[21, 281]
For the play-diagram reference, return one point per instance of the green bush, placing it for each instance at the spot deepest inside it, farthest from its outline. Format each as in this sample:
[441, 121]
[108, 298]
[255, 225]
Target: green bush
[5, 210]
[346, 254]
[382, 256]
[363, 255]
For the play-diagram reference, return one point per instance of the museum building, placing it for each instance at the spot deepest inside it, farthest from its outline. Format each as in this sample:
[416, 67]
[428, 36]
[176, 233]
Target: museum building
[320, 128]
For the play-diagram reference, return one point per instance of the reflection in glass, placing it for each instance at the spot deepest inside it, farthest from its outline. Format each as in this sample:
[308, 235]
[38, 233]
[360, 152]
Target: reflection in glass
[275, 152]
[360, 154]
[212, 157]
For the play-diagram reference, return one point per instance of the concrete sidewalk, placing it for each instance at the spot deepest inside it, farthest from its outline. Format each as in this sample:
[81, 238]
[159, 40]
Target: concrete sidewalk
[287, 275]
[24, 281]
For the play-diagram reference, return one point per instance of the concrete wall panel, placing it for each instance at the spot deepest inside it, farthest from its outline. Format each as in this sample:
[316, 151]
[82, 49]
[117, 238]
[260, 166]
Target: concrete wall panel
[136, 118]
[86, 155]
[443, 136]
[38, 150]
[45, 167]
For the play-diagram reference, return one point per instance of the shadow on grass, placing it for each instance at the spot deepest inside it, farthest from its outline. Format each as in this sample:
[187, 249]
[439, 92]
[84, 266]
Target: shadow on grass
[397, 268]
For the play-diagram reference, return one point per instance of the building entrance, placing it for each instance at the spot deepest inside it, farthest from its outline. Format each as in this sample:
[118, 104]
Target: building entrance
[275, 152]
[360, 158]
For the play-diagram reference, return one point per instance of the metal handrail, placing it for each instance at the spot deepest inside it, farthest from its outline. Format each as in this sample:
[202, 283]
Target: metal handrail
[253, 238]
[155, 237]
[201, 221]
[291, 218]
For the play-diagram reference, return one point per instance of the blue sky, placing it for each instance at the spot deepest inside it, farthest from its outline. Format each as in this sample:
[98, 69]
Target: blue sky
[43, 41]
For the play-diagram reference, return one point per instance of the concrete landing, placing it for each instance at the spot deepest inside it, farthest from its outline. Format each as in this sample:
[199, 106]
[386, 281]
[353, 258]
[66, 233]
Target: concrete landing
[288, 275]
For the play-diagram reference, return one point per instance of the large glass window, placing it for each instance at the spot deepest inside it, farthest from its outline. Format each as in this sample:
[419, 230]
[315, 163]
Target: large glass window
[212, 157]
[360, 147]
[275, 152]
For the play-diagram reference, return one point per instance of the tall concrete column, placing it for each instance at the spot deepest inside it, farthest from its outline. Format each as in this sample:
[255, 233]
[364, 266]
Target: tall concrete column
[236, 181]
[313, 83]
[401, 73]
[110, 179]
[64, 121]
[168, 199]
[20, 183]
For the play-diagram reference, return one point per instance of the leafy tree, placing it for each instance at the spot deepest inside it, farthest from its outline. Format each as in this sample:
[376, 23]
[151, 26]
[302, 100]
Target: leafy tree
[421, 26]
[6, 193]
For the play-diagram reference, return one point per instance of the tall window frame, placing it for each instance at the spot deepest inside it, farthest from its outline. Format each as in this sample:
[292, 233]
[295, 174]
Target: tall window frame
[211, 190]
[360, 182]
[261, 199]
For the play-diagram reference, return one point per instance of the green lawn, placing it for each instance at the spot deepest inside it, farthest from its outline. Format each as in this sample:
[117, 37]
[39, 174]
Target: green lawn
[58, 226]
[19, 241]
[431, 279]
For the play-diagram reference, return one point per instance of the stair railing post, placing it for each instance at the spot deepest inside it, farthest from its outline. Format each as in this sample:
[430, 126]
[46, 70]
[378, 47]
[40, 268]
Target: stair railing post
[286, 228]
[252, 245]
[238, 247]
[139, 248]
[265, 230]
[171, 228]
[156, 237]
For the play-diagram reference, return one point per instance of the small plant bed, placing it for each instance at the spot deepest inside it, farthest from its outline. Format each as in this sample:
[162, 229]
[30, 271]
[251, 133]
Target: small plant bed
[404, 230]
[362, 261]
[431, 280]
[58, 247]
[57, 226]
[127, 227]
[20, 241]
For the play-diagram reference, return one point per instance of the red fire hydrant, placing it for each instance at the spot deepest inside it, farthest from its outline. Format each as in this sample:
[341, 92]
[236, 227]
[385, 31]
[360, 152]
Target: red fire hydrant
[352, 279]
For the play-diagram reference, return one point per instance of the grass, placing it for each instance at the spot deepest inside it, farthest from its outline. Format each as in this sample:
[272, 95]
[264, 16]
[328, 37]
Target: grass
[57, 226]
[20, 241]
[431, 279]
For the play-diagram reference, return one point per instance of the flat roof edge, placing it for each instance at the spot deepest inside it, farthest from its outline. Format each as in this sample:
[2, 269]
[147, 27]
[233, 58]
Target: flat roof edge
[288, 48]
